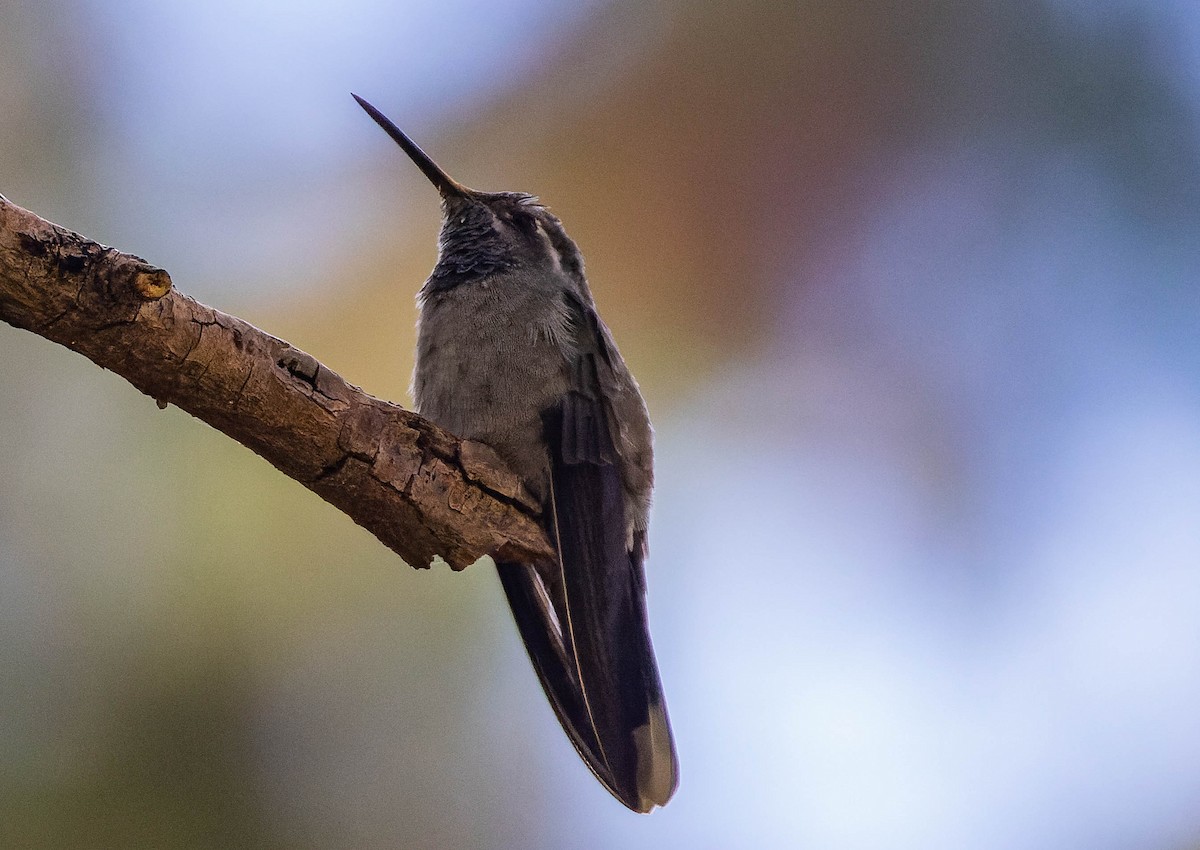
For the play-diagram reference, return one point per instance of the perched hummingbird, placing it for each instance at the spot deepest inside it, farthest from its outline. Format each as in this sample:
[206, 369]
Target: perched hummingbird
[511, 353]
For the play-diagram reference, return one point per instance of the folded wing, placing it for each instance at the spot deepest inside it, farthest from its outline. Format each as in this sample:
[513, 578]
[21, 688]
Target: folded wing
[583, 618]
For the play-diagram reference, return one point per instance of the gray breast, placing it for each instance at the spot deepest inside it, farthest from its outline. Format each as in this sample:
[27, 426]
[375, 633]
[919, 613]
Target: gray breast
[491, 356]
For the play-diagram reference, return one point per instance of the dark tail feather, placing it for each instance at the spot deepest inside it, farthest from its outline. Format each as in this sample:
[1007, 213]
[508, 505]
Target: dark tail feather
[616, 719]
[583, 619]
[530, 599]
[606, 609]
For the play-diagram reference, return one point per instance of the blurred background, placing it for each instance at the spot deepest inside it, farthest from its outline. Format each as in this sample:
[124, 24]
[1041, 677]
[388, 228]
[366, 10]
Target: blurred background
[911, 289]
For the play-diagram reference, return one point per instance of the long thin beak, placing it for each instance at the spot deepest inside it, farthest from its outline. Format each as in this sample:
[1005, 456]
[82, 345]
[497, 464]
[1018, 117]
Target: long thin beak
[446, 185]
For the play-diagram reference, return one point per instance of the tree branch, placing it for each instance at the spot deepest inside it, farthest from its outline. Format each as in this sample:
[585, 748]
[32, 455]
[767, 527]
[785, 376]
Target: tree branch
[419, 489]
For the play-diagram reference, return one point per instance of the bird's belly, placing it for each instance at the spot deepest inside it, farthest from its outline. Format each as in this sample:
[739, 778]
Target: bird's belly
[488, 375]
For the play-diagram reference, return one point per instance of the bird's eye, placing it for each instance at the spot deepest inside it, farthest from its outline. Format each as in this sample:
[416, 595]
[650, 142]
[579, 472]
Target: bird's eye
[524, 222]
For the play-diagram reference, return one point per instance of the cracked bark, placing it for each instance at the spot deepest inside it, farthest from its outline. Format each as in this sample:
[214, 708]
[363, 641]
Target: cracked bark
[419, 489]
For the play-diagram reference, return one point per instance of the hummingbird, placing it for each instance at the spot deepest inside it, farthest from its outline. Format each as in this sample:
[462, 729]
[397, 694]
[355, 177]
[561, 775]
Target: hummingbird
[512, 353]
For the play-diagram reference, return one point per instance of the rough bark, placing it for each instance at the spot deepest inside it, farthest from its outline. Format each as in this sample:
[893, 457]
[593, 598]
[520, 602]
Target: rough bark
[419, 489]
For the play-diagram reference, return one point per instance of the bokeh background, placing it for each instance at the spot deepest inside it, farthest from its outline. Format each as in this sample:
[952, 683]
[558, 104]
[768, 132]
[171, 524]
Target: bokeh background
[912, 291]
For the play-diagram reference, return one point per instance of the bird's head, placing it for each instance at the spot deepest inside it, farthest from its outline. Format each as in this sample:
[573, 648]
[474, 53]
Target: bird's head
[485, 233]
